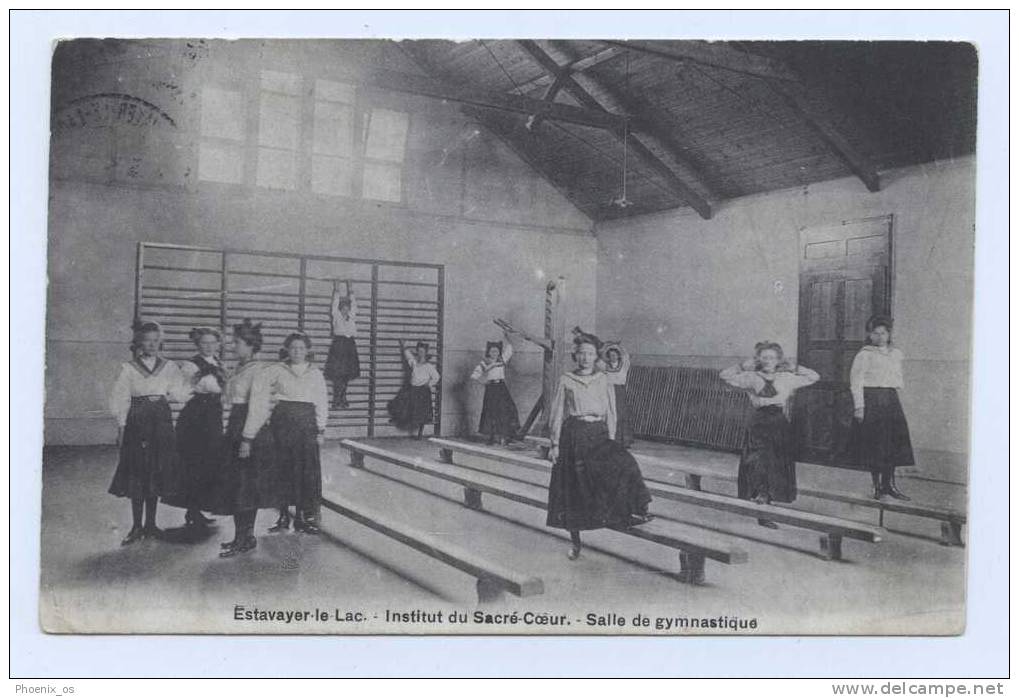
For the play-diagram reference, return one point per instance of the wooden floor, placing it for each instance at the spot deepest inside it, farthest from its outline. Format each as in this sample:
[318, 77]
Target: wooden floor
[908, 583]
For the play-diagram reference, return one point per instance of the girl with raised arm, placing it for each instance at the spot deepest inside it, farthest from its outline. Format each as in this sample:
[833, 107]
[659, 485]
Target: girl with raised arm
[298, 427]
[145, 436]
[499, 416]
[616, 365]
[595, 482]
[882, 434]
[411, 409]
[342, 364]
[767, 465]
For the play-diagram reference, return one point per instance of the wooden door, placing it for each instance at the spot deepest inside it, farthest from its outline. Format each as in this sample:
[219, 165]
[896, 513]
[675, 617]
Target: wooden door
[845, 277]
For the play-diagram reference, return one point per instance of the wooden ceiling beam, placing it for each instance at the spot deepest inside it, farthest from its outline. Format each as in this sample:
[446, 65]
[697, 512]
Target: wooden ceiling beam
[573, 67]
[689, 195]
[715, 54]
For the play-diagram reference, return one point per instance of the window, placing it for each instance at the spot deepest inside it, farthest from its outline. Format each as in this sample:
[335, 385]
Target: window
[278, 130]
[385, 144]
[221, 149]
[332, 147]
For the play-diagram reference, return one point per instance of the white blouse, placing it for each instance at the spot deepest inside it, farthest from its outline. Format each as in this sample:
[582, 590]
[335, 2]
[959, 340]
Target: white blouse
[420, 373]
[589, 397]
[874, 367]
[143, 377]
[239, 384]
[786, 383]
[345, 327]
[487, 371]
[206, 384]
[286, 383]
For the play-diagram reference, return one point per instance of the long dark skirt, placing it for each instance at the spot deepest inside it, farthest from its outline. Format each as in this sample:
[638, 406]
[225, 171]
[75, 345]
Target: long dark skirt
[624, 432]
[247, 483]
[595, 483]
[342, 363]
[201, 447]
[412, 406]
[295, 433]
[767, 465]
[499, 416]
[148, 451]
[882, 439]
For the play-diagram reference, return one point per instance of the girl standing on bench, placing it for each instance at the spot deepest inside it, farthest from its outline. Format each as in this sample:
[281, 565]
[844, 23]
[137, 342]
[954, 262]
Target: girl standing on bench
[298, 427]
[249, 479]
[145, 436]
[499, 416]
[200, 429]
[882, 434]
[411, 409]
[595, 482]
[767, 465]
[342, 364]
[616, 364]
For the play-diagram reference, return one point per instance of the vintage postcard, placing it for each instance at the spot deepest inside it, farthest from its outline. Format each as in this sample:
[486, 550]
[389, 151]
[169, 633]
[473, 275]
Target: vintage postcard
[529, 337]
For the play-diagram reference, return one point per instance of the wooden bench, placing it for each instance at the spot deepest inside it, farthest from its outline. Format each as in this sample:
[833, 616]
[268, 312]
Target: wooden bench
[493, 580]
[694, 546]
[692, 474]
[833, 530]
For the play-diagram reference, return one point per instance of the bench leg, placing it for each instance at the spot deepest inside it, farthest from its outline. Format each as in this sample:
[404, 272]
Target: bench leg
[472, 498]
[951, 533]
[356, 459]
[489, 591]
[831, 546]
[693, 482]
[691, 568]
[445, 455]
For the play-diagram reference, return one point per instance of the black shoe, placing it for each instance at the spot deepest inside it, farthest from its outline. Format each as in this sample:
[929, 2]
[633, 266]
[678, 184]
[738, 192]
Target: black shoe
[878, 493]
[574, 553]
[895, 493]
[153, 532]
[246, 545]
[282, 524]
[229, 544]
[133, 536]
[305, 526]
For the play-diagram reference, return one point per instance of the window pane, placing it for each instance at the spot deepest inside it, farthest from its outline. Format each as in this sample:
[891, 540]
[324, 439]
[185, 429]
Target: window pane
[222, 114]
[220, 163]
[334, 91]
[331, 175]
[334, 129]
[383, 181]
[277, 169]
[287, 83]
[278, 121]
[387, 135]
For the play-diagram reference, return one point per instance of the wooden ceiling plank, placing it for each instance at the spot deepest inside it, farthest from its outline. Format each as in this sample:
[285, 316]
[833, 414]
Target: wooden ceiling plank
[715, 54]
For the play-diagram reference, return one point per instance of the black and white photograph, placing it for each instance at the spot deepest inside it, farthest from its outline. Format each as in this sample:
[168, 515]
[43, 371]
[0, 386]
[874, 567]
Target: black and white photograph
[508, 336]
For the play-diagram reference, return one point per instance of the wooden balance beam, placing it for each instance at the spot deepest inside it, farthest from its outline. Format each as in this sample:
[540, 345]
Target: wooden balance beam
[493, 580]
[694, 547]
[692, 474]
[833, 530]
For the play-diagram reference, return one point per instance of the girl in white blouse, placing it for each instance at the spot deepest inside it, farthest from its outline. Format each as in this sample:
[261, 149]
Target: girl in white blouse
[616, 365]
[499, 416]
[200, 429]
[342, 364]
[881, 431]
[767, 466]
[595, 482]
[298, 426]
[411, 409]
[145, 435]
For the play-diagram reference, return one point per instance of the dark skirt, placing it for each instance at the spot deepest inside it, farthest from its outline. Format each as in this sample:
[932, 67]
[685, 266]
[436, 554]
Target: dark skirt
[343, 363]
[295, 433]
[148, 451]
[767, 465]
[247, 483]
[201, 448]
[499, 416]
[595, 483]
[624, 432]
[882, 440]
[412, 407]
